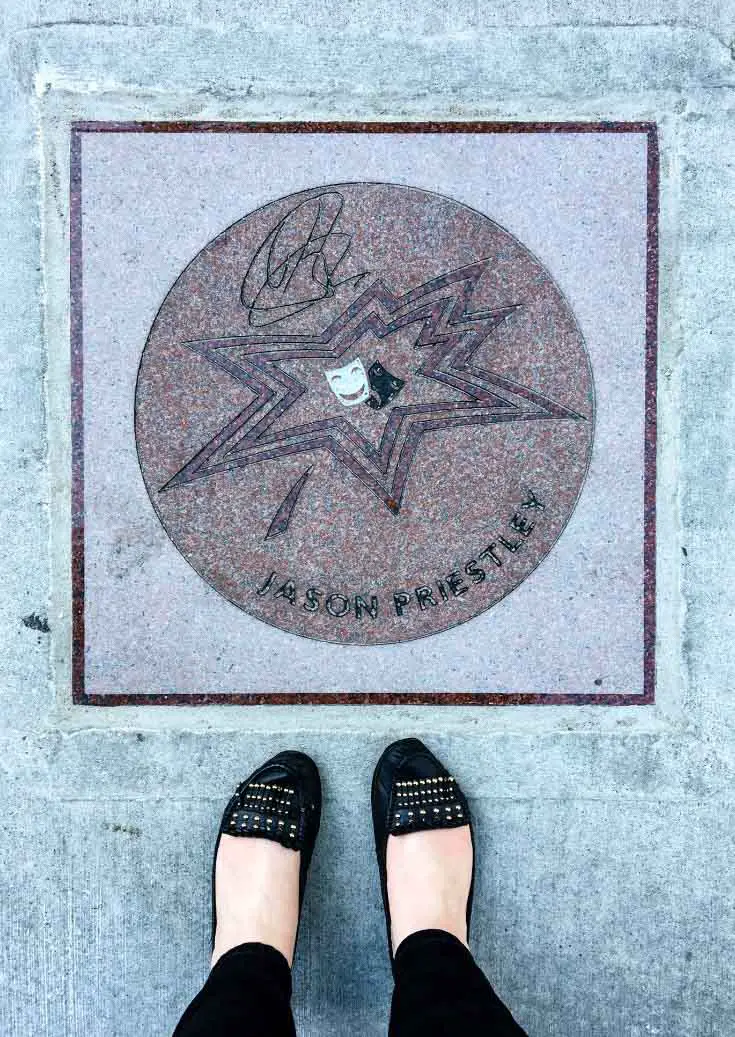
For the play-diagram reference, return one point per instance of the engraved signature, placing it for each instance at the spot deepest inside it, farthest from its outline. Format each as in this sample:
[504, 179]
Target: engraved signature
[296, 265]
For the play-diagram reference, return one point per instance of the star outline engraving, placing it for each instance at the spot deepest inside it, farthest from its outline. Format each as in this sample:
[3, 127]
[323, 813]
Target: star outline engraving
[450, 334]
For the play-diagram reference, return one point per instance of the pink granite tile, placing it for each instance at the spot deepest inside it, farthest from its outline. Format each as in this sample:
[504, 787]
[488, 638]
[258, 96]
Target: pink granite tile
[423, 511]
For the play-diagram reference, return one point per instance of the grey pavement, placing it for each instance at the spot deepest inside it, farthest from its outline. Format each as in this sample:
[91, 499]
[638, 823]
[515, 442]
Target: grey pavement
[604, 904]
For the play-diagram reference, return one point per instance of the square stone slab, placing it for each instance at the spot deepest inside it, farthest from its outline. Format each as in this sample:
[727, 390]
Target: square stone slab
[364, 413]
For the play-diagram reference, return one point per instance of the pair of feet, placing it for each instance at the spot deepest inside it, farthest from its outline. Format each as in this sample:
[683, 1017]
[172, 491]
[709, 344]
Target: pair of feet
[429, 874]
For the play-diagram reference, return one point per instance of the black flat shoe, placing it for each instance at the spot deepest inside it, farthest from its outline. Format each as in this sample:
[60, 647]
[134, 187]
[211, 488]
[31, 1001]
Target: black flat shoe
[414, 792]
[280, 801]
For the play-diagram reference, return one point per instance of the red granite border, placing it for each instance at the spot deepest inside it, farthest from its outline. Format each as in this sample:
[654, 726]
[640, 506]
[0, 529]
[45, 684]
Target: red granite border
[362, 127]
[77, 419]
[454, 698]
[368, 698]
[649, 470]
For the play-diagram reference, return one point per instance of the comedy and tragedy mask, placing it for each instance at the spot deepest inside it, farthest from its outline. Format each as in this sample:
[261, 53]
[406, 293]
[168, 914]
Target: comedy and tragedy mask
[351, 384]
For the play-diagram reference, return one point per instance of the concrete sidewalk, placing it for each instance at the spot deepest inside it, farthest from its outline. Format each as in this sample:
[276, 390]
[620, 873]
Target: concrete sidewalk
[604, 904]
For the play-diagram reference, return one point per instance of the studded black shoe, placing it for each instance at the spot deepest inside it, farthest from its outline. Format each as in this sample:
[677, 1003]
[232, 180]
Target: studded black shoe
[413, 792]
[280, 801]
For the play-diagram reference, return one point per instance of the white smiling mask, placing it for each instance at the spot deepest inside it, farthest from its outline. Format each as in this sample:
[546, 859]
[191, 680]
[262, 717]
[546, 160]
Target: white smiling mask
[349, 383]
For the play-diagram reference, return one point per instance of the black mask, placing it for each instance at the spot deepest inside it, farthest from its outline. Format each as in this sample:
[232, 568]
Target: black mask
[385, 386]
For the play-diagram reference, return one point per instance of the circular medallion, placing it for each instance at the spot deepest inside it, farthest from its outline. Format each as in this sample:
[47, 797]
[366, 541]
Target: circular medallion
[364, 413]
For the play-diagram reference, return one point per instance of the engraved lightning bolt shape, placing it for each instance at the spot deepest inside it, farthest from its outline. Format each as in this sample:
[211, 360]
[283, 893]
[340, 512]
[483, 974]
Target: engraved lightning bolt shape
[448, 334]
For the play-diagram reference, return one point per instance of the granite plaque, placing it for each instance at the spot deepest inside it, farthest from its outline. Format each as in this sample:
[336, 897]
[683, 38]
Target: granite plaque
[363, 413]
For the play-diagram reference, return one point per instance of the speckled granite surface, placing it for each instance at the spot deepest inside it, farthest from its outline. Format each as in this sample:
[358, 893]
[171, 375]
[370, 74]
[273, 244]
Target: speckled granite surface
[478, 483]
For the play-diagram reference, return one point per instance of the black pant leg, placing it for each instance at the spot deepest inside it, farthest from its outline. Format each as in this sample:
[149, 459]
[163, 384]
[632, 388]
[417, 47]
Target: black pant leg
[247, 994]
[441, 992]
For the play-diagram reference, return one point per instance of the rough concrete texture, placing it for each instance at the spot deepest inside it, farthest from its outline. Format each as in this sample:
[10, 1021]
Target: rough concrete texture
[604, 901]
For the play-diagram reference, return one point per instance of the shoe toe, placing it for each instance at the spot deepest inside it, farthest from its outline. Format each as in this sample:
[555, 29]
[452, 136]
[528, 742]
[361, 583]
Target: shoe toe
[296, 770]
[406, 760]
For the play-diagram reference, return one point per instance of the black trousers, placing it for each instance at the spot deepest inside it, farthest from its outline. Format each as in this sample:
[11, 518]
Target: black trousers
[439, 992]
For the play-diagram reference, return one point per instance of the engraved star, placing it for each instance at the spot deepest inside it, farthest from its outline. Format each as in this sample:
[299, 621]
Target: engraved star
[449, 335]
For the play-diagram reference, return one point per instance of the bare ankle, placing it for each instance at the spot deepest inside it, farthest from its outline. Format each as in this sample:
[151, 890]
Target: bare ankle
[429, 877]
[257, 892]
